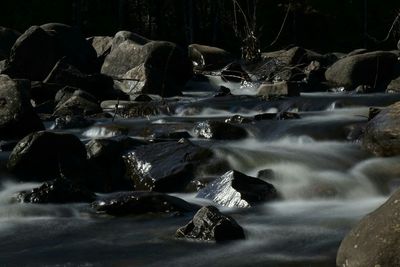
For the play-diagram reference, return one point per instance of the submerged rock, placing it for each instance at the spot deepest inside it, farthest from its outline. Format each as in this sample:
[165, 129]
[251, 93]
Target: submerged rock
[141, 202]
[234, 189]
[165, 166]
[209, 224]
[58, 191]
[42, 156]
[219, 130]
[375, 240]
[382, 134]
[17, 117]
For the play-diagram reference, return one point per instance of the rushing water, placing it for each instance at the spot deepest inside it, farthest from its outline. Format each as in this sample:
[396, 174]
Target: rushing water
[326, 181]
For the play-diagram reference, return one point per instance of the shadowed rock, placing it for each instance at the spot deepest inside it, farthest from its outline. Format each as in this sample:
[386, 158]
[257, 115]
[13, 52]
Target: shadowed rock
[209, 224]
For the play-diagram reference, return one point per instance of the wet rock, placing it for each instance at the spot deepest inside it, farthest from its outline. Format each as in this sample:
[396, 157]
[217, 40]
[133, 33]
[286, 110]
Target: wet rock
[77, 106]
[72, 122]
[382, 134]
[280, 89]
[266, 174]
[373, 111]
[374, 69]
[234, 189]
[143, 98]
[394, 86]
[42, 156]
[287, 116]
[105, 157]
[99, 85]
[234, 72]
[142, 202]
[208, 57]
[7, 40]
[223, 91]
[58, 191]
[166, 166]
[238, 119]
[374, 241]
[37, 50]
[219, 130]
[17, 117]
[209, 224]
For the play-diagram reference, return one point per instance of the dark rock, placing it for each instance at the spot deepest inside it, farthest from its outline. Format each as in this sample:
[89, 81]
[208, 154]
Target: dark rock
[234, 189]
[143, 98]
[17, 117]
[374, 241]
[382, 134]
[280, 89]
[238, 119]
[219, 130]
[142, 202]
[37, 50]
[99, 85]
[208, 57]
[59, 191]
[372, 112]
[42, 92]
[266, 174]
[374, 69]
[287, 116]
[7, 40]
[199, 183]
[42, 156]
[105, 157]
[394, 86]
[265, 116]
[128, 109]
[77, 105]
[67, 92]
[209, 224]
[223, 91]
[166, 166]
[72, 122]
[234, 72]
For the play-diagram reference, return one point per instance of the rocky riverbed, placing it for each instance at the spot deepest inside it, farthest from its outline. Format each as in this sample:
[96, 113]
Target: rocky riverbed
[124, 151]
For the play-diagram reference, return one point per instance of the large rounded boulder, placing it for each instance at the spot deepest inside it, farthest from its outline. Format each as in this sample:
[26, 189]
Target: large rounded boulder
[17, 117]
[375, 240]
[374, 69]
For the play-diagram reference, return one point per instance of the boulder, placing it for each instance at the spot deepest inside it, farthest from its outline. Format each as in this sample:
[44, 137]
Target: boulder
[77, 105]
[165, 166]
[373, 69]
[72, 122]
[284, 88]
[375, 240]
[299, 56]
[142, 202]
[37, 50]
[42, 92]
[219, 130]
[235, 189]
[58, 191]
[158, 67]
[209, 224]
[17, 117]
[42, 156]
[7, 40]
[101, 44]
[358, 51]
[208, 58]
[105, 158]
[123, 36]
[382, 134]
[394, 86]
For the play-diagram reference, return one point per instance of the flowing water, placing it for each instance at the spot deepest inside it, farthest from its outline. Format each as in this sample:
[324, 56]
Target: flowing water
[327, 183]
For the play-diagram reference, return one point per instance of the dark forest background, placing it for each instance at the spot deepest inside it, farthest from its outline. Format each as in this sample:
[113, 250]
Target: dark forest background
[322, 25]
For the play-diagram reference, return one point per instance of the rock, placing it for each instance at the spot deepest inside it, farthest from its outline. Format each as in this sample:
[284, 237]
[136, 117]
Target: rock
[266, 174]
[142, 202]
[37, 50]
[219, 130]
[58, 191]
[382, 134]
[394, 86]
[7, 40]
[374, 241]
[299, 56]
[209, 224]
[238, 119]
[234, 189]
[175, 135]
[355, 52]
[165, 166]
[123, 36]
[285, 88]
[157, 67]
[374, 69]
[42, 92]
[208, 57]
[199, 183]
[43, 156]
[72, 122]
[234, 72]
[223, 91]
[17, 117]
[99, 85]
[77, 106]
[277, 116]
[105, 157]
[127, 109]
[101, 44]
